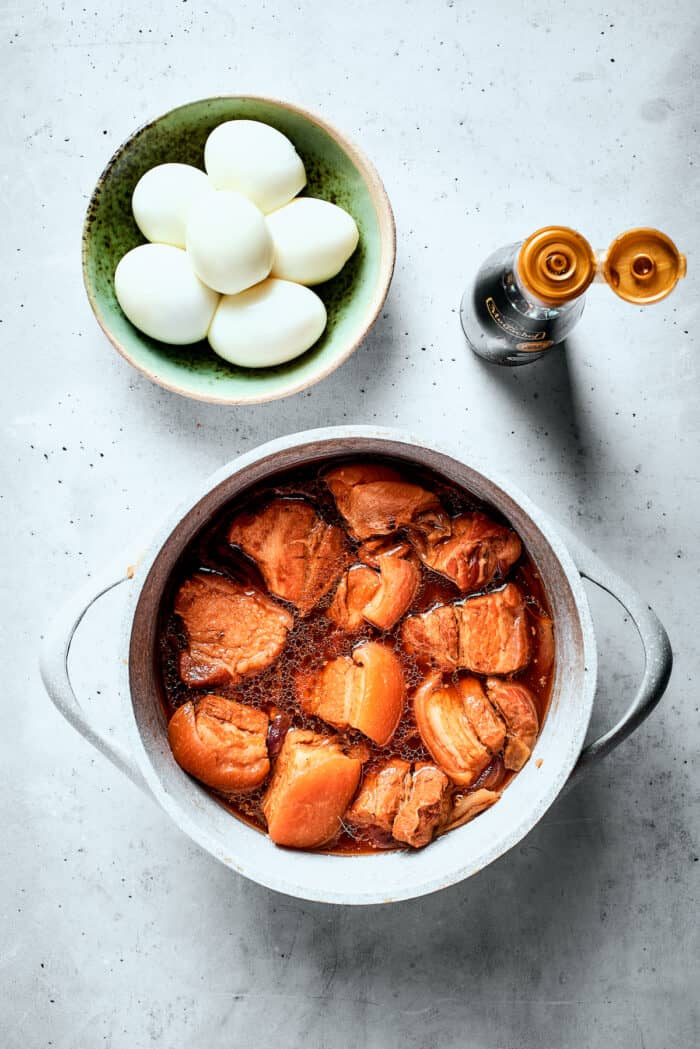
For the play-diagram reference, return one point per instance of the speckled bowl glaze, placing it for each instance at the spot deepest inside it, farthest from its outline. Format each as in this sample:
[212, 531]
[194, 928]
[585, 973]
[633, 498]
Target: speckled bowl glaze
[336, 171]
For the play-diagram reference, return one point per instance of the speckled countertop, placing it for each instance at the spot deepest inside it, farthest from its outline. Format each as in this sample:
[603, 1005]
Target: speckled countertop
[486, 121]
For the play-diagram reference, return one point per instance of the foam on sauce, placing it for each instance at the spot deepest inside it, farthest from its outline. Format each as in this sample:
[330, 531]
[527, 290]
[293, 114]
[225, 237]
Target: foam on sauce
[313, 640]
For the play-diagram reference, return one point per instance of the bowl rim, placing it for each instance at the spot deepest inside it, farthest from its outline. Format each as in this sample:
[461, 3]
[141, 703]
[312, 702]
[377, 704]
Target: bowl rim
[387, 255]
[282, 875]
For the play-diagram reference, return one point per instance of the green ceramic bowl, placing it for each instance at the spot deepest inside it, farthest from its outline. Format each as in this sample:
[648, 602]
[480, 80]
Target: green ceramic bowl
[336, 171]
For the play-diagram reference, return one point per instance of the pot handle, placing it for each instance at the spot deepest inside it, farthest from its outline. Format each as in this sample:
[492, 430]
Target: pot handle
[658, 658]
[53, 665]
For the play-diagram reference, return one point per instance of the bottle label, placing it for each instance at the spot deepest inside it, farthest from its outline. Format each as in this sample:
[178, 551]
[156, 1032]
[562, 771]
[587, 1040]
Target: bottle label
[513, 329]
[530, 347]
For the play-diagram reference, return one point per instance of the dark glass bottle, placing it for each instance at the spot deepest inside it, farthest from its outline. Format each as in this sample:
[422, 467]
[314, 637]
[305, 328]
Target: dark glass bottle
[527, 297]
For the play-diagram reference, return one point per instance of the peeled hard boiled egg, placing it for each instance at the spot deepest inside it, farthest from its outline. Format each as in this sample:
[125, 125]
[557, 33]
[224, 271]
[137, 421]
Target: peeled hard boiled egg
[268, 324]
[162, 200]
[256, 160]
[228, 242]
[313, 240]
[162, 296]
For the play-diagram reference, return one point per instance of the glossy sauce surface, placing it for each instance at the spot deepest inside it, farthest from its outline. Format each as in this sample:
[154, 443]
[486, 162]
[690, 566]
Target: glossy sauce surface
[314, 639]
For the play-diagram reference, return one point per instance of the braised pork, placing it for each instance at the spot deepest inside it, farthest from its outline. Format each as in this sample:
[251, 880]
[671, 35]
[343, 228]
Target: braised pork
[487, 634]
[312, 784]
[493, 632]
[424, 804]
[232, 630]
[400, 582]
[299, 555]
[379, 598]
[486, 721]
[366, 691]
[221, 742]
[433, 636]
[372, 549]
[376, 500]
[399, 579]
[355, 590]
[329, 693]
[378, 799]
[477, 552]
[458, 726]
[517, 707]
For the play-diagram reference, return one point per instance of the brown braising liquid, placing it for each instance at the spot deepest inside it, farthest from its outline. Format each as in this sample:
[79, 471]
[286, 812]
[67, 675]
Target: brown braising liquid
[314, 639]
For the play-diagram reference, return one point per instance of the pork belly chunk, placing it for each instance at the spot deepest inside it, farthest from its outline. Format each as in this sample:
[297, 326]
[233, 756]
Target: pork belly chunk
[493, 632]
[221, 742]
[376, 500]
[299, 555]
[355, 590]
[477, 552]
[378, 598]
[517, 707]
[425, 802]
[311, 787]
[458, 726]
[433, 637]
[372, 549]
[233, 630]
[378, 799]
[399, 579]
[381, 696]
[329, 693]
[366, 691]
[487, 634]
[485, 720]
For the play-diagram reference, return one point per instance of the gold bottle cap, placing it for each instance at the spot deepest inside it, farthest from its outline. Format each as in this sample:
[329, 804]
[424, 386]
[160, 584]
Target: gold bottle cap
[643, 265]
[556, 264]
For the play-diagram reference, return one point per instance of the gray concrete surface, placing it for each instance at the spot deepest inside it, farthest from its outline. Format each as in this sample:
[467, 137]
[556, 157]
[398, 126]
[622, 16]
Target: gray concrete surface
[486, 121]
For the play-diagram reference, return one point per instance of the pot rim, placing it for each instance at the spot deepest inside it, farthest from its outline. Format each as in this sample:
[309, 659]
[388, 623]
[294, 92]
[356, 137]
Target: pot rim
[277, 880]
